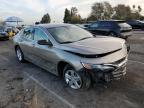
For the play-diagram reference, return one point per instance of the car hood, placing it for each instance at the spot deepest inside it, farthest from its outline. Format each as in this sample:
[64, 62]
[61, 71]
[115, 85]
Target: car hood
[92, 46]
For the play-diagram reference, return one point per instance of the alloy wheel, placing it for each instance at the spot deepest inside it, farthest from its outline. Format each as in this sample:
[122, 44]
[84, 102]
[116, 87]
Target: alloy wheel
[73, 79]
[19, 54]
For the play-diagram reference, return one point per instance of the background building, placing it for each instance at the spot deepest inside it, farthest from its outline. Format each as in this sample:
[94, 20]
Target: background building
[13, 21]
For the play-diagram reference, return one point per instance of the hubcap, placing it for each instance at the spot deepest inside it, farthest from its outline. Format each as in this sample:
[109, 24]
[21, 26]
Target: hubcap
[112, 34]
[19, 55]
[73, 79]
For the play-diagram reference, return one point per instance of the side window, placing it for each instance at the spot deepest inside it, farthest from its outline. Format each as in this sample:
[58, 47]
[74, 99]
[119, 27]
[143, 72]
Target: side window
[21, 32]
[40, 35]
[105, 24]
[28, 34]
[95, 25]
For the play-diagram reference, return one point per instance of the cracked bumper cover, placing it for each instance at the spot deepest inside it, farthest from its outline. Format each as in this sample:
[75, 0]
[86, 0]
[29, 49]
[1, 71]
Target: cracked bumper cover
[114, 72]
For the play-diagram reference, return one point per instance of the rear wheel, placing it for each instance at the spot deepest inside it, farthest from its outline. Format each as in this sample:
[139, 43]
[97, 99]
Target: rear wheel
[19, 54]
[112, 34]
[76, 80]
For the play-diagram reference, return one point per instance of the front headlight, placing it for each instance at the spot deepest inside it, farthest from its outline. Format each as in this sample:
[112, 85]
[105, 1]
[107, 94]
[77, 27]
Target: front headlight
[99, 67]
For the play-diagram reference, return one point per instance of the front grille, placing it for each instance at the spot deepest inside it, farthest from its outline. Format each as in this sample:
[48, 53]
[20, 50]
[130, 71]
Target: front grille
[119, 71]
[120, 68]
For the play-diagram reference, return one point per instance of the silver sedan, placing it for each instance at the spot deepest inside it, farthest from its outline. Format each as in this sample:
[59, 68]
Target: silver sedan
[72, 53]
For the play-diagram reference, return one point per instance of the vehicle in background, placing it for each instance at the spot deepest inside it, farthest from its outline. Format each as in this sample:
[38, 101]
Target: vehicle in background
[80, 25]
[72, 53]
[10, 31]
[84, 26]
[3, 34]
[15, 30]
[115, 28]
[136, 24]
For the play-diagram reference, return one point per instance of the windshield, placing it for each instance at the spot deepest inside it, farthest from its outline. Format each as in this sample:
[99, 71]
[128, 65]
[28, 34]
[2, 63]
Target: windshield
[68, 34]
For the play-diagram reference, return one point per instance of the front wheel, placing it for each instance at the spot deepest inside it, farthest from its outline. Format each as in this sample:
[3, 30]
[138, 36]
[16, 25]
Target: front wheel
[76, 80]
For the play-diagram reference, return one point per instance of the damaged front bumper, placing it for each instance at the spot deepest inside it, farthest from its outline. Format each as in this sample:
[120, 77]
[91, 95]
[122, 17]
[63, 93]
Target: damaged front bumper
[107, 72]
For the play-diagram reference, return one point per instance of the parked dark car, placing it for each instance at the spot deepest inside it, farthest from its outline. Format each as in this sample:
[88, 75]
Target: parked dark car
[136, 24]
[114, 28]
[3, 34]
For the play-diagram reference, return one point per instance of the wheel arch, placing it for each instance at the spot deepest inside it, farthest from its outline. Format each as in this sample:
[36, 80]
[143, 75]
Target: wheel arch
[114, 32]
[60, 67]
[16, 46]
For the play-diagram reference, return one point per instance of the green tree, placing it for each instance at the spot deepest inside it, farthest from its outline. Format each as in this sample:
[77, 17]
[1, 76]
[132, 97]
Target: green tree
[136, 13]
[141, 17]
[91, 18]
[97, 11]
[72, 16]
[139, 9]
[46, 19]
[74, 11]
[134, 6]
[100, 11]
[108, 10]
[104, 11]
[76, 19]
[67, 16]
[122, 12]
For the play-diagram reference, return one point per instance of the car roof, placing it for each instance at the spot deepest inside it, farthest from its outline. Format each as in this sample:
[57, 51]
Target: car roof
[112, 20]
[52, 25]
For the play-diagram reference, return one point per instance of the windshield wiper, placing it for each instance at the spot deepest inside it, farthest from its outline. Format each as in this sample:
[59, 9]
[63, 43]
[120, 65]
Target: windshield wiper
[66, 42]
[84, 38]
[74, 41]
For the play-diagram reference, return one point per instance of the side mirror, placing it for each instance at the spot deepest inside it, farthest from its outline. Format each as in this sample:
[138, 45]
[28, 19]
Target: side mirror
[44, 42]
[86, 26]
[90, 26]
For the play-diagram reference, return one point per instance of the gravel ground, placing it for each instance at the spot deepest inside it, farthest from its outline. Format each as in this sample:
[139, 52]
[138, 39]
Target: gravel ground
[28, 86]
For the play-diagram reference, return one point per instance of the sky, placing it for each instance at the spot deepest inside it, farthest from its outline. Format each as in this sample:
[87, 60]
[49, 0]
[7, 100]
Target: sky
[33, 10]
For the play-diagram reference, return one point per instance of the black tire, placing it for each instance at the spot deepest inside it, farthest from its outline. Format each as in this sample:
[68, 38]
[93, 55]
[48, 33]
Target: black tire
[18, 50]
[112, 34]
[84, 76]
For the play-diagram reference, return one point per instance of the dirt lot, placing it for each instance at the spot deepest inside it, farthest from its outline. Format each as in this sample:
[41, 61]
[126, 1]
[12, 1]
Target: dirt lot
[28, 86]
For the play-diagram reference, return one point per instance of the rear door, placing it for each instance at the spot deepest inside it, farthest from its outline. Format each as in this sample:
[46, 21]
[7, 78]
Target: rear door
[27, 42]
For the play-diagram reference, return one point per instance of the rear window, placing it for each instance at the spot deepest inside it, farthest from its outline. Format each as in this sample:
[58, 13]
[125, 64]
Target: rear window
[123, 24]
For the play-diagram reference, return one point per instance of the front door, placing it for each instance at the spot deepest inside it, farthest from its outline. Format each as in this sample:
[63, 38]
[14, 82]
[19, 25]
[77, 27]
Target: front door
[44, 54]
